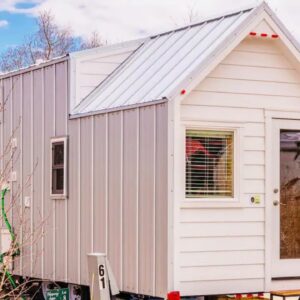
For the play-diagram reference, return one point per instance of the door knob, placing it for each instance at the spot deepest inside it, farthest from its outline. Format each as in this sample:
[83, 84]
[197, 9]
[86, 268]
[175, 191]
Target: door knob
[275, 202]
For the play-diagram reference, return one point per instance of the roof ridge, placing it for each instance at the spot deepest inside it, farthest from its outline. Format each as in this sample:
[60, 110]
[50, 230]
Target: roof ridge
[212, 18]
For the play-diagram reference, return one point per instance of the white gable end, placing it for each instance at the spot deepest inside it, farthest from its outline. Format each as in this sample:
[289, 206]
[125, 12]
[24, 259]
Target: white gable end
[264, 28]
[227, 244]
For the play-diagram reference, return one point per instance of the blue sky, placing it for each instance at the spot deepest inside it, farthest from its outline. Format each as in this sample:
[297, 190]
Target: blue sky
[18, 25]
[119, 20]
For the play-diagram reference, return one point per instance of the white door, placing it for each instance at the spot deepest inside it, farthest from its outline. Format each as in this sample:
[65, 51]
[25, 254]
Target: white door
[286, 199]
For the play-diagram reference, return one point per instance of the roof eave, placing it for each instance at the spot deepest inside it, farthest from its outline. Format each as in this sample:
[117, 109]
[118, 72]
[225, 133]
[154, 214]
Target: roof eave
[116, 109]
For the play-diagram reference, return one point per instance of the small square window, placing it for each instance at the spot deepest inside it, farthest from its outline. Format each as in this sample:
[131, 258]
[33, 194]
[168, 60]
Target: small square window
[58, 167]
[209, 164]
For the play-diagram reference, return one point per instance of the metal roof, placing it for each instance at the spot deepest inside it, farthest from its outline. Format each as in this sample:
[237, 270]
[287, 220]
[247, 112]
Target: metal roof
[161, 63]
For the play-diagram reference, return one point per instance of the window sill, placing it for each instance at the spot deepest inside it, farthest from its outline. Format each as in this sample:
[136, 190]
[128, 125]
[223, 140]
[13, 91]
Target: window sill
[211, 203]
[58, 197]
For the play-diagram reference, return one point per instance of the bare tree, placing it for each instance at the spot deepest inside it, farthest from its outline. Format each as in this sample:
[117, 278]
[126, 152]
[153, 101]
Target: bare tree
[93, 41]
[49, 41]
[190, 15]
[14, 58]
[19, 240]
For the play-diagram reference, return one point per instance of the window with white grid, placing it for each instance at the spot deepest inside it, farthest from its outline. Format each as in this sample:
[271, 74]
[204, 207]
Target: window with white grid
[209, 164]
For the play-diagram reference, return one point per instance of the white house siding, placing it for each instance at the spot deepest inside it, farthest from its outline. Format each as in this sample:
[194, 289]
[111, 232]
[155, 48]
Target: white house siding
[221, 249]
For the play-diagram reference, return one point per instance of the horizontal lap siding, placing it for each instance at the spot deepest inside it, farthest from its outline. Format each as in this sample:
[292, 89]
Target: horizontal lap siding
[227, 245]
[216, 287]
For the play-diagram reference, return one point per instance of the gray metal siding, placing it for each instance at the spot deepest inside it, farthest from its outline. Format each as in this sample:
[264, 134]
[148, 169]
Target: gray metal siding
[27, 169]
[161, 203]
[117, 200]
[147, 200]
[73, 202]
[115, 192]
[85, 195]
[61, 118]
[16, 106]
[37, 154]
[130, 199]
[49, 206]
[99, 183]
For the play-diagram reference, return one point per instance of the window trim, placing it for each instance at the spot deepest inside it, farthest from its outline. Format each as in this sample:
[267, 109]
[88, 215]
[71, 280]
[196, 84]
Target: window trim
[234, 201]
[64, 140]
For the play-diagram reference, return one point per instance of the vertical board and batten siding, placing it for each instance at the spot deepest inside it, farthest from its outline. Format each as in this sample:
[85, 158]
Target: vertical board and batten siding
[61, 129]
[37, 154]
[120, 161]
[221, 250]
[27, 169]
[117, 184]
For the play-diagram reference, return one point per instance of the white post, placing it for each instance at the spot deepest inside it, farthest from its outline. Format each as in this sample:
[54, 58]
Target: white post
[102, 281]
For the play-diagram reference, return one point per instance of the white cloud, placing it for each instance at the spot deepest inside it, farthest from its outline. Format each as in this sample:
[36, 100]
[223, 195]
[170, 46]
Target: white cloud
[119, 20]
[127, 19]
[3, 23]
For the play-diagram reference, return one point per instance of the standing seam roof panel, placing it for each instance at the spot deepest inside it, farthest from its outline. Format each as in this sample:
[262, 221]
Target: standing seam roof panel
[198, 34]
[161, 63]
[173, 69]
[170, 84]
[126, 69]
[132, 80]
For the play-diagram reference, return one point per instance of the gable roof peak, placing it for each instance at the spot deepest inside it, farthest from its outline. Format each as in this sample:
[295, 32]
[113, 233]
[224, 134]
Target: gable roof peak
[167, 62]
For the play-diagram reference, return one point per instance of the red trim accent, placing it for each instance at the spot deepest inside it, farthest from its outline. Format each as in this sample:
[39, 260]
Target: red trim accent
[183, 92]
[175, 295]
[264, 35]
[253, 33]
[238, 296]
[260, 295]
[275, 36]
[249, 295]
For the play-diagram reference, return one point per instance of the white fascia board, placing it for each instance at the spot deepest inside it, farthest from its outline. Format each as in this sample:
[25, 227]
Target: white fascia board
[281, 29]
[285, 36]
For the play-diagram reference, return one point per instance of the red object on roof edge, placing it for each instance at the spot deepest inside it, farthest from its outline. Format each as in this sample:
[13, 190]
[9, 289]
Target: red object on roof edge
[175, 295]
[274, 36]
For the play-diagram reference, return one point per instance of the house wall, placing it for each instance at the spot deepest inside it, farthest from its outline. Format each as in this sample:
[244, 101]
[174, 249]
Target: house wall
[220, 248]
[117, 184]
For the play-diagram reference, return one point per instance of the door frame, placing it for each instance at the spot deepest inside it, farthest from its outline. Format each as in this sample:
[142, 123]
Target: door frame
[270, 117]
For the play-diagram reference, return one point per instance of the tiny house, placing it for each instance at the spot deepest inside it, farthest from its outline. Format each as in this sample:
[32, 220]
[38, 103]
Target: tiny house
[177, 155]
